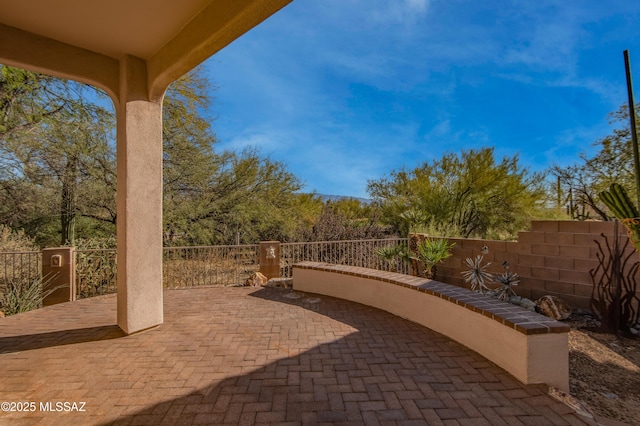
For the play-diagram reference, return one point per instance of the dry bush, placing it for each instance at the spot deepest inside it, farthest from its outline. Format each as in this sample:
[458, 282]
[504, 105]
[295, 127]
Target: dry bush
[20, 272]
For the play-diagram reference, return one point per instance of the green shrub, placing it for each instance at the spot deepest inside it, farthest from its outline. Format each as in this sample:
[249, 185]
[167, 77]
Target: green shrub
[431, 252]
[22, 295]
[393, 254]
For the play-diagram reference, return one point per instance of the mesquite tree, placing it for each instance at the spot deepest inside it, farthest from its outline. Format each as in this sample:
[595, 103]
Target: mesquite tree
[468, 195]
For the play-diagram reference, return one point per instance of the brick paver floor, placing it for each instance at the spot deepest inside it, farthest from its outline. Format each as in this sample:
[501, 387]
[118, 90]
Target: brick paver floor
[253, 356]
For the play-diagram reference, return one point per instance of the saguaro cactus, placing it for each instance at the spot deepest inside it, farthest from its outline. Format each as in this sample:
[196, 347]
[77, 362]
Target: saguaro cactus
[618, 201]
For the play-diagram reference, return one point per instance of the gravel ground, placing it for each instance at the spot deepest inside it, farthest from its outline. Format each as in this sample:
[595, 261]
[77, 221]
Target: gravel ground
[604, 372]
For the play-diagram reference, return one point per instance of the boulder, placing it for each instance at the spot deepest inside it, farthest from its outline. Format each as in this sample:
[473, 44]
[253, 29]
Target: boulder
[524, 302]
[528, 304]
[280, 282]
[256, 279]
[515, 300]
[553, 307]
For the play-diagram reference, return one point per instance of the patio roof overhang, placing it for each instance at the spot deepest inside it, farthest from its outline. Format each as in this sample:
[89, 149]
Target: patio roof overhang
[85, 40]
[133, 50]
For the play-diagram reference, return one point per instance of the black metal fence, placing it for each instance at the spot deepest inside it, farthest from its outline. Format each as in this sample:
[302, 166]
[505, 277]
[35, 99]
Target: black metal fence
[205, 265]
[19, 267]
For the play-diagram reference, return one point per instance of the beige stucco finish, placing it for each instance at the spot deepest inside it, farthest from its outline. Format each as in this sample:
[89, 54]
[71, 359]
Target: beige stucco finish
[133, 50]
[531, 359]
[85, 40]
[139, 189]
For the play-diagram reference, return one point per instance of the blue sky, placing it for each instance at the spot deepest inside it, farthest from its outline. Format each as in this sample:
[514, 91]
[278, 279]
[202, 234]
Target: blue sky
[345, 91]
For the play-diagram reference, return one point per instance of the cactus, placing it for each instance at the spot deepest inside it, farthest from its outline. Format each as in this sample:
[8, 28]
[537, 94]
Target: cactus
[619, 202]
[622, 207]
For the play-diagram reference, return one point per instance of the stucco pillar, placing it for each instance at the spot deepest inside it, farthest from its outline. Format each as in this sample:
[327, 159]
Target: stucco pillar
[59, 273]
[139, 200]
[270, 259]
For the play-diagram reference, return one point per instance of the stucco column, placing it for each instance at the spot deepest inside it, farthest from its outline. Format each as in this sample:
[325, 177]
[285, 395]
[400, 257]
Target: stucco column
[139, 200]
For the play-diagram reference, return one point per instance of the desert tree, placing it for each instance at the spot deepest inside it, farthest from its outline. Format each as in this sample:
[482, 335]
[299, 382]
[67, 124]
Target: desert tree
[581, 182]
[466, 194]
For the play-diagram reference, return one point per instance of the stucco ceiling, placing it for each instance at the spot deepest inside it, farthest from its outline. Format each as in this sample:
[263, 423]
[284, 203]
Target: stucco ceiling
[112, 28]
[89, 40]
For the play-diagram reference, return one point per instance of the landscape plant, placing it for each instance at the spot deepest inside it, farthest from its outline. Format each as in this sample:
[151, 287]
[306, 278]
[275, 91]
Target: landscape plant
[393, 254]
[471, 193]
[431, 252]
[579, 185]
[618, 201]
[95, 266]
[23, 294]
[16, 267]
[58, 168]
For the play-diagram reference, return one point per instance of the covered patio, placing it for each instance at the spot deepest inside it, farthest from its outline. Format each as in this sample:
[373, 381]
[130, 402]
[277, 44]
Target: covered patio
[255, 356]
[211, 355]
[133, 51]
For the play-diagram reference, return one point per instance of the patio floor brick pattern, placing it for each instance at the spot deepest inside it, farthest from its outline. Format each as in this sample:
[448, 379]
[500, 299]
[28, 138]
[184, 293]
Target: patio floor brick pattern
[244, 356]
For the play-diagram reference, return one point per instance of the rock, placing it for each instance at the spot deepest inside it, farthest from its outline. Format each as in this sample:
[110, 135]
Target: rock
[528, 304]
[515, 300]
[524, 302]
[280, 282]
[256, 280]
[553, 307]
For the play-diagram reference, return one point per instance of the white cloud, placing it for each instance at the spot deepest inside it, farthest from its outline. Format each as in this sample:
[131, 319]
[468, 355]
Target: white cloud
[339, 171]
[364, 13]
[572, 142]
[549, 44]
[407, 11]
[266, 141]
[443, 128]
[418, 5]
[347, 90]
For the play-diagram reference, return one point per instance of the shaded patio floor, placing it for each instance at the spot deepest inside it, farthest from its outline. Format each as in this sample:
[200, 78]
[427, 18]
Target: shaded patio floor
[255, 356]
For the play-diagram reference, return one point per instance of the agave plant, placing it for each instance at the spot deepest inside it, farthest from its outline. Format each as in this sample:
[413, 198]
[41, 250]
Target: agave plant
[24, 294]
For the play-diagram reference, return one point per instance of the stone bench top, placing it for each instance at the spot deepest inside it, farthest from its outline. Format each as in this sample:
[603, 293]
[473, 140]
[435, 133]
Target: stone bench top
[510, 315]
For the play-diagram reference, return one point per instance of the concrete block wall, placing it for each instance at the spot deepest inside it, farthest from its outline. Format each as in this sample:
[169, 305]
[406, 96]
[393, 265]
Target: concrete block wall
[554, 258]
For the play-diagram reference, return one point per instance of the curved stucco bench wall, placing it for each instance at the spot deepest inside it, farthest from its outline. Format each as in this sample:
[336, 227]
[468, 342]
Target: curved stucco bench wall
[531, 347]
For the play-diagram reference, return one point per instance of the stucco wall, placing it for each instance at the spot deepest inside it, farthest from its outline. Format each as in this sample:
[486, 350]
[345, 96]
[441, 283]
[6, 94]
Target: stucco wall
[554, 258]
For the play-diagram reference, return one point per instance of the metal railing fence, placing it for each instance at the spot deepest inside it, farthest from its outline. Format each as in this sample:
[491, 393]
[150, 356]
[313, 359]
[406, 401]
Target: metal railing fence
[204, 265]
[20, 267]
[349, 252]
[209, 265]
[95, 272]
